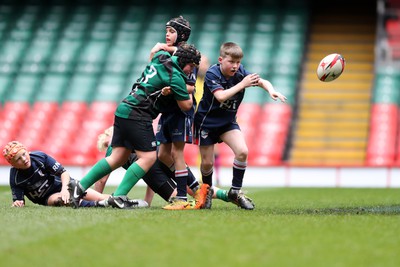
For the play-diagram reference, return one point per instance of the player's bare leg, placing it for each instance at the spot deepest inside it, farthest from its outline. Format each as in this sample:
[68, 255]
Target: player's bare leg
[235, 140]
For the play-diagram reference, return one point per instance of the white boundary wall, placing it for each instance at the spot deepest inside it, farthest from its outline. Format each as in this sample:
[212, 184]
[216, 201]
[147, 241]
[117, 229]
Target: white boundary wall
[281, 176]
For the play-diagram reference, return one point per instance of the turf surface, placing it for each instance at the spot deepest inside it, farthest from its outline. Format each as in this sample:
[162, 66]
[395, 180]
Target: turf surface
[289, 227]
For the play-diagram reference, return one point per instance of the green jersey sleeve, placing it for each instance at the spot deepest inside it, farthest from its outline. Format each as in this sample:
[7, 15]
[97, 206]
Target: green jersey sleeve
[178, 82]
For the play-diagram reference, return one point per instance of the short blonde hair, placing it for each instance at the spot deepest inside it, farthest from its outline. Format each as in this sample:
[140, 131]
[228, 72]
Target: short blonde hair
[231, 49]
[104, 139]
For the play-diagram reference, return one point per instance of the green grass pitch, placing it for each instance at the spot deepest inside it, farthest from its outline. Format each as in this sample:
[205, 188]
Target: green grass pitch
[289, 227]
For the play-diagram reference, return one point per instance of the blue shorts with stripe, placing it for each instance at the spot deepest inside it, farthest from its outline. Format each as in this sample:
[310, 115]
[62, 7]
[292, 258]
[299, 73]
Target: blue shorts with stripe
[204, 136]
[174, 127]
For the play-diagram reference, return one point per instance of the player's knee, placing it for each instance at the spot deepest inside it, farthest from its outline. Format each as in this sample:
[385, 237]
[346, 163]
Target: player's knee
[153, 158]
[163, 156]
[148, 160]
[242, 154]
[207, 164]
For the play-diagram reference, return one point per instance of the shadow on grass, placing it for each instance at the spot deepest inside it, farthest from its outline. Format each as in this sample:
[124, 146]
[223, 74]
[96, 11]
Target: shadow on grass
[383, 210]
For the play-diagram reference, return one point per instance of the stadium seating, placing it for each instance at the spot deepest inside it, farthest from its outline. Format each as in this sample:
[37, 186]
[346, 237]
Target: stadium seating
[5, 83]
[52, 87]
[280, 39]
[71, 65]
[386, 87]
[98, 117]
[383, 134]
[36, 124]
[24, 87]
[393, 37]
[384, 139]
[66, 51]
[248, 118]
[269, 142]
[81, 88]
[13, 114]
[332, 118]
[65, 129]
[111, 87]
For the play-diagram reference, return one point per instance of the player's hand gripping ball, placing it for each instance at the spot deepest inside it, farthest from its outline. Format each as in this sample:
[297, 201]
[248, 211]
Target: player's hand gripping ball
[330, 67]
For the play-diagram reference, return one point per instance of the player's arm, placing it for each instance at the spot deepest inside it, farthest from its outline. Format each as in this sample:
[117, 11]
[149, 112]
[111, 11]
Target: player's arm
[64, 188]
[267, 86]
[183, 97]
[167, 90]
[162, 46]
[180, 92]
[223, 95]
[17, 192]
[18, 196]
[55, 168]
[190, 88]
[185, 105]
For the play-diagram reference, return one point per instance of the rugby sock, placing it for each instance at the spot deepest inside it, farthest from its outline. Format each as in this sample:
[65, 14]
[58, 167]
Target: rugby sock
[102, 203]
[172, 167]
[131, 177]
[191, 180]
[181, 177]
[87, 203]
[222, 194]
[98, 171]
[239, 167]
[206, 176]
[170, 171]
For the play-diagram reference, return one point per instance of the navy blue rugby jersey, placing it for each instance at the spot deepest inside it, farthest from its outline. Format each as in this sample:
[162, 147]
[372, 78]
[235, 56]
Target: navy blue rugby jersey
[210, 112]
[43, 176]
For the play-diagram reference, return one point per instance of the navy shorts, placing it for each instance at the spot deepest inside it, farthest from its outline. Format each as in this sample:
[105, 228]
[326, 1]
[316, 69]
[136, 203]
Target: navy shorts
[205, 137]
[134, 134]
[175, 127]
[55, 188]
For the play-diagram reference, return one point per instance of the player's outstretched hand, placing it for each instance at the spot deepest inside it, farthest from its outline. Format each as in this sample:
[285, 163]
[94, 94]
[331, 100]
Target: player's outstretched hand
[251, 80]
[276, 95]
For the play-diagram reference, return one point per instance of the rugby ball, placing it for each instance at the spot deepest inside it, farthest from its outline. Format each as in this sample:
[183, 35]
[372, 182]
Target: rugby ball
[330, 67]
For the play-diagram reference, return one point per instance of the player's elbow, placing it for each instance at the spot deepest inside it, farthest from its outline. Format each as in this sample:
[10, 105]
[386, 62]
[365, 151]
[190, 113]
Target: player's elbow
[220, 96]
[185, 105]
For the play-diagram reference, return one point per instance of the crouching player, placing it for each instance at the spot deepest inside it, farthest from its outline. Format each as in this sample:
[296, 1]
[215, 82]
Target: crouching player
[42, 179]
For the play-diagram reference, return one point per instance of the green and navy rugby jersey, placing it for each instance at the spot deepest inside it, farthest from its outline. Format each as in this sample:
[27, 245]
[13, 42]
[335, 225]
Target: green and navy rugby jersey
[191, 80]
[145, 100]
